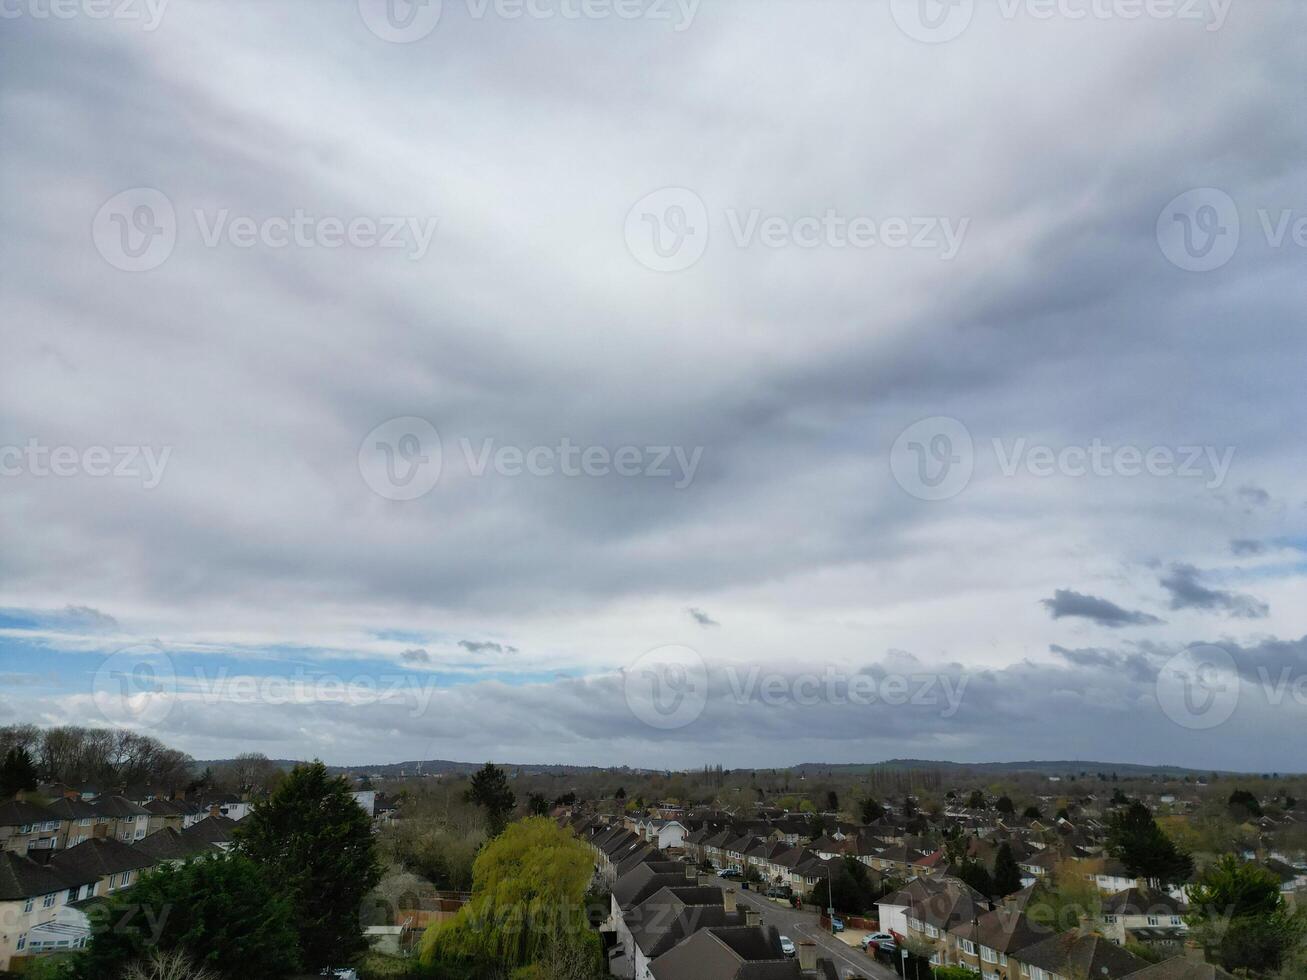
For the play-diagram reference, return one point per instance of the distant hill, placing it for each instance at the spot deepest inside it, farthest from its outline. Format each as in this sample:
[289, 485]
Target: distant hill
[1041, 768]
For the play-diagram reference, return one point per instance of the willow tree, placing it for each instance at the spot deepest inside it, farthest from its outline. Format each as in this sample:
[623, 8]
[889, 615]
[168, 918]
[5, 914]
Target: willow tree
[528, 901]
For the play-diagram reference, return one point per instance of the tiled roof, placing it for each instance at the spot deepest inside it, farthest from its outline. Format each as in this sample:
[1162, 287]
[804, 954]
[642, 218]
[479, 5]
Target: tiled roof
[21, 877]
[99, 858]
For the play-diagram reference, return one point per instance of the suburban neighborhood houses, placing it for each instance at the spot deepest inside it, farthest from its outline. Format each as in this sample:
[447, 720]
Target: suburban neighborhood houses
[60, 857]
[686, 889]
[711, 875]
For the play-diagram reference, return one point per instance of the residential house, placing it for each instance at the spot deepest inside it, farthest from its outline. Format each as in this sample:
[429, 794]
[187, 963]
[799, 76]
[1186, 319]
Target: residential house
[107, 861]
[1074, 956]
[1181, 968]
[172, 846]
[1142, 915]
[669, 916]
[78, 820]
[986, 944]
[33, 897]
[747, 953]
[127, 821]
[216, 831]
[27, 827]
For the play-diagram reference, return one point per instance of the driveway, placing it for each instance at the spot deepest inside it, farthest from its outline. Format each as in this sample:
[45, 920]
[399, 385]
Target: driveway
[802, 926]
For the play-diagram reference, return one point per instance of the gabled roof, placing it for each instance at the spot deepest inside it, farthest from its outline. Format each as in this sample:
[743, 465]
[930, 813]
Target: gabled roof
[1181, 968]
[99, 857]
[668, 916]
[118, 808]
[1142, 901]
[21, 877]
[1074, 955]
[1005, 930]
[733, 953]
[17, 813]
[639, 883]
[69, 809]
[212, 830]
[170, 844]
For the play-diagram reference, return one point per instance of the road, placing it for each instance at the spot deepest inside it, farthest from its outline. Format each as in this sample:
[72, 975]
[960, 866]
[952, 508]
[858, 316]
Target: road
[804, 926]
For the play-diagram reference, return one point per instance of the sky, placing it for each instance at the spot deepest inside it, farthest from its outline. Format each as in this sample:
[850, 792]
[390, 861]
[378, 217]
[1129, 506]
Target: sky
[657, 383]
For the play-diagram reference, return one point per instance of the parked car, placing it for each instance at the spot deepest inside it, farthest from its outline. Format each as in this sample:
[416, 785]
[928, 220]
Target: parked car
[729, 873]
[780, 891]
[878, 940]
[787, 945]
[836, 924]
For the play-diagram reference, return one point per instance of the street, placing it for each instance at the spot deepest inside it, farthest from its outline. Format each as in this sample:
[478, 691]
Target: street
[803, 926]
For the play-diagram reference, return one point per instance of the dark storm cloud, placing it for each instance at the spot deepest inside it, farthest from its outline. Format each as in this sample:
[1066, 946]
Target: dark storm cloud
[1066, 603]
[1187, 592]
[417, 655]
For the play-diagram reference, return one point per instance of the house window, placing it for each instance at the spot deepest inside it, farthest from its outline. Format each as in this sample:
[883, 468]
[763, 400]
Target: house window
[1176, 920]
[29, 905]
[988, 955]
[22, 940]
[49, 900]
[968, 947]
[1152, 920]
[72, 895]
[1110, 919]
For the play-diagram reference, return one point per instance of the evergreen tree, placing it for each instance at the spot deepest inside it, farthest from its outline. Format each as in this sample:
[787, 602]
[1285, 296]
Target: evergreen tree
[1135, 839]
[490, 791]
[222, 911]
[871, 811]
[1007, 875]
[977, 876]
[316, 842]
[1239, 917]
[17, 772]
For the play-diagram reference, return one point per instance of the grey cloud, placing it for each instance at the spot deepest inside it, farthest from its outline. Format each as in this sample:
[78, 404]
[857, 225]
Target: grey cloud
[1101, 611]
[1187, 592]
[1245, 547]
[486, 646]
[417, 655]
[701, 617]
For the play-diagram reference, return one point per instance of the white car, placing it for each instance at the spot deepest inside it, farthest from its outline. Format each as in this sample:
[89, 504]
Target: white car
[787, 945]
[878, 939]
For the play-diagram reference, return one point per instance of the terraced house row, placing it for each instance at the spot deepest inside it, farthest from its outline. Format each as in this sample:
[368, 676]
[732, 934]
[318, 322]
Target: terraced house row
[61, 858]
[667, 922]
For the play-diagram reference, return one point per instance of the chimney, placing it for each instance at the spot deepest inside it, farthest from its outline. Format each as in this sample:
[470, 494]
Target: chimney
[691, 873]
[706, 881]
[808, 957]
[752, 917]
[728, 900]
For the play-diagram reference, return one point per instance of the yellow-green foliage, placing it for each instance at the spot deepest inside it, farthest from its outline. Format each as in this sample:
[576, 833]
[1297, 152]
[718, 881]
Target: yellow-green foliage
[528, 894]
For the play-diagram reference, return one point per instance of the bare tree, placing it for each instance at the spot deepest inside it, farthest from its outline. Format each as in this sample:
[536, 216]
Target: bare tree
[174, 965]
